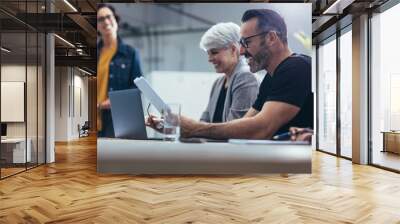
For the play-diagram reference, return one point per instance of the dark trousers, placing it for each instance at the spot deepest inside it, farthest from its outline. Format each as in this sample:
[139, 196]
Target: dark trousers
[108, 128]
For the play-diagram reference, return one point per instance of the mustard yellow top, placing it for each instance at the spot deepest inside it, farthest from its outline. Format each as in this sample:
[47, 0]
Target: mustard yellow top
[103, 67]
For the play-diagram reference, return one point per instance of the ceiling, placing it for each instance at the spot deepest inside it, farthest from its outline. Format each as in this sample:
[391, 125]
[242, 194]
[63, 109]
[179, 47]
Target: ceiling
[76, 25]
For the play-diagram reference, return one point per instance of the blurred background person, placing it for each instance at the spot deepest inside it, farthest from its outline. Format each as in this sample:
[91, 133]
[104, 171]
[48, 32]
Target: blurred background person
[235, 91]
[118, 65]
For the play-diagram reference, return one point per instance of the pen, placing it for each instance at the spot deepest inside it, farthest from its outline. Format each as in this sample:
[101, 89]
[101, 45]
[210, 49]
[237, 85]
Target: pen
[282, 136]
[289, 134]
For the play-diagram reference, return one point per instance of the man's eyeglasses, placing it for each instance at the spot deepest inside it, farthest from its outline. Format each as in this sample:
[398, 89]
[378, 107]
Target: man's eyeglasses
[245, 41]
[103, 18]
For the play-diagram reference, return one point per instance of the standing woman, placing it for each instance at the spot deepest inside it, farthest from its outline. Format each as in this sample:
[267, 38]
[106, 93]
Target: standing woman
[118, 65]
[235, 91]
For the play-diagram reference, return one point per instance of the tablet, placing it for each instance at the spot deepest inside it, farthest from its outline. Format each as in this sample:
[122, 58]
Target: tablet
[151, 95]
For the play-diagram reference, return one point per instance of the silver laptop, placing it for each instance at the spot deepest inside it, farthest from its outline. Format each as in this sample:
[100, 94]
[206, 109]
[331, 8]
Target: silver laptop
[128, 118]
[127, 114]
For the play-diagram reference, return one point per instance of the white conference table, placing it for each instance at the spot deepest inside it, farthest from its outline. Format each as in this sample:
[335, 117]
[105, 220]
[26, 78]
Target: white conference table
[158, 157]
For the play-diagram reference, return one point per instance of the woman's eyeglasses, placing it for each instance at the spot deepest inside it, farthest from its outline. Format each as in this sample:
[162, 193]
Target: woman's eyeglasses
[101, 19]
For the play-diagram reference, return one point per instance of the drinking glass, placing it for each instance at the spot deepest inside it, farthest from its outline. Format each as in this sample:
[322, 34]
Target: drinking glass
[172, 120]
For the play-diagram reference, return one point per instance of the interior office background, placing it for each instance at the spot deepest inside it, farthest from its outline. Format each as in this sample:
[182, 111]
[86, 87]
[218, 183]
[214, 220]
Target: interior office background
[45, 93]
[354, 72]
[338, 53]
[22, 96]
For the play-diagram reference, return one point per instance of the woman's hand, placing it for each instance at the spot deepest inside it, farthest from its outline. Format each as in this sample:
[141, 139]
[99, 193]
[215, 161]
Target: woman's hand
[105, 104]
[155, 123]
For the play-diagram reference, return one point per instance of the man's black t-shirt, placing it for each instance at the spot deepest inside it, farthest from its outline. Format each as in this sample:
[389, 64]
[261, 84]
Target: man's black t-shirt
[290, 83]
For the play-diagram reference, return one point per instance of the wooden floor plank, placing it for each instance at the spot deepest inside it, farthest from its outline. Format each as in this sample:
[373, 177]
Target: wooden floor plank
[70, 191]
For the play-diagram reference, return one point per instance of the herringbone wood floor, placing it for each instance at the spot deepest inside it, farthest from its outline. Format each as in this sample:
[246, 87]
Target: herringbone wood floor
[70, 191]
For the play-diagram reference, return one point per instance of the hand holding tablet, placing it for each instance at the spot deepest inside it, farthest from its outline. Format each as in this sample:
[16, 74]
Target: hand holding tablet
[151, 95]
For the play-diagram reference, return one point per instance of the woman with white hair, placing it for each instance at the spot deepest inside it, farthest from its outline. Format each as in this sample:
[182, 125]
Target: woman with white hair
[235, 91]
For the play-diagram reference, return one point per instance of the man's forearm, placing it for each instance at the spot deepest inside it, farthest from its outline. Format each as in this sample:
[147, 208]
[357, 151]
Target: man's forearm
[193, 128]
[242, 128]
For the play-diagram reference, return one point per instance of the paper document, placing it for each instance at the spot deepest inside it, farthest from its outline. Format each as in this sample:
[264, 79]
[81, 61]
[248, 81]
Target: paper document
[151, 95]
[266, 142]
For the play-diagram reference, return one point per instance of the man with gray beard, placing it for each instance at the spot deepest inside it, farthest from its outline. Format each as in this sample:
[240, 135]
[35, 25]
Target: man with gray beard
[285, 98]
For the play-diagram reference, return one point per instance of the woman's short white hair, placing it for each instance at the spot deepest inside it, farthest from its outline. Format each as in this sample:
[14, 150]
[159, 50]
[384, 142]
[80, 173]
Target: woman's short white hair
[220, 35]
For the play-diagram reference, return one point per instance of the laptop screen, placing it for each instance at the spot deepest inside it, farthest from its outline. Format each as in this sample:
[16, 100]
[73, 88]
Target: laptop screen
[127, 114]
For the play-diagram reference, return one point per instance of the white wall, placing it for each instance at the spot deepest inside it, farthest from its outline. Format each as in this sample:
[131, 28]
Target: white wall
[16, 73]
[190, 89]
[61, 103]
[33, 126]
[71, 94]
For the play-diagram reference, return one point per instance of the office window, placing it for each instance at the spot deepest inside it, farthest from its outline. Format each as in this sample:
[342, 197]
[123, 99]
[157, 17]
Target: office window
[327, 96]
[385, 89]
[22, 90]
[314, 89]
[15, 147]
[346, 93]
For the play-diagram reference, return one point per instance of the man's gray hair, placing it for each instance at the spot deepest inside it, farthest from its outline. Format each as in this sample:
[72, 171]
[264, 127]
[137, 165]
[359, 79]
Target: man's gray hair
[220, 35]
